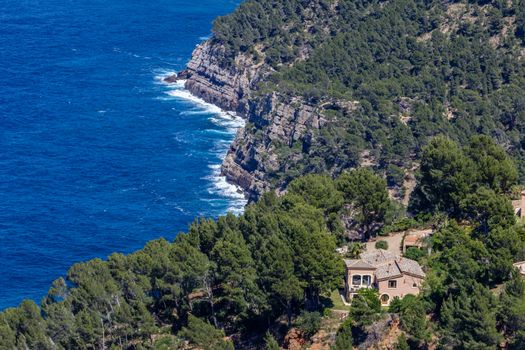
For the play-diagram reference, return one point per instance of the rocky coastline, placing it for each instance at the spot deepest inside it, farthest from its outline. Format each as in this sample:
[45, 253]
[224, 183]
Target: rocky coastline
[228, 86]
[274, 123]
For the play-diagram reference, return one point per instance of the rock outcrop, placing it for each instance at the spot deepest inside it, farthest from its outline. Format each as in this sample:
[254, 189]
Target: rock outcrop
[217, 79]
[212, 77]
[274, 123]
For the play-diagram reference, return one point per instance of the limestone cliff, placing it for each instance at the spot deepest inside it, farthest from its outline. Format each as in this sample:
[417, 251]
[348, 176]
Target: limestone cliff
[262, 157]
[210, 76]
[330, 85]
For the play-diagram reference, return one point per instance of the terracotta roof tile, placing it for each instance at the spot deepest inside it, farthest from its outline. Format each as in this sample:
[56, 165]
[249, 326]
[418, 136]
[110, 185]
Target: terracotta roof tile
[358, 264]
[387, 264]
[388, 271]
[411, 267]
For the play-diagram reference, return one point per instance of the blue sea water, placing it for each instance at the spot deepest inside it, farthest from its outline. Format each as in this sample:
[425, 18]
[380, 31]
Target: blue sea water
[96, 154]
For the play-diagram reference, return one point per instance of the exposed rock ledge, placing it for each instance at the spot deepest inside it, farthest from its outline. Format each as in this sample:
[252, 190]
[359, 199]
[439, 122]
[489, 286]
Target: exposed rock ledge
[275, 123]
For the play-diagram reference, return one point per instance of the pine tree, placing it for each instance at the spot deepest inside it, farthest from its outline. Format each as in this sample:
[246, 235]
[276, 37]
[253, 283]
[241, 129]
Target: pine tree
[270, 343]
[238, 293]
[367, 193]
[494, 167]
[343, 338]
[469, 319]
[446, 177]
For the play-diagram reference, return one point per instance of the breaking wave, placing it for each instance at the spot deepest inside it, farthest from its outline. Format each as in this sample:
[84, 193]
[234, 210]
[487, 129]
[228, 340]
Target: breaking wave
[227, 123]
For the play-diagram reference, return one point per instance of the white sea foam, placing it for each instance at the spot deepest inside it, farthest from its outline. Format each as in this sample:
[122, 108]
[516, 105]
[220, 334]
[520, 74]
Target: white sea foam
[228, 123]
[223, 188]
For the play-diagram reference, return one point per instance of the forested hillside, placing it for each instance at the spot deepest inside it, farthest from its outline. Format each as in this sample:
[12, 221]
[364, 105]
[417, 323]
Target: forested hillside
[351, 90]
[378, 79]
[253, 277]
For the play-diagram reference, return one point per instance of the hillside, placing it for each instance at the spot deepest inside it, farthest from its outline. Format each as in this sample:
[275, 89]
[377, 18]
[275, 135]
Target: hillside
[269, 278]
[331, 85]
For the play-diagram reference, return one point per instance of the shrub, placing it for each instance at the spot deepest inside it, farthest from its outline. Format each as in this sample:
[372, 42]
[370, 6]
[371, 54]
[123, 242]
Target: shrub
[414, 253]
[402, 343]
[270, 342]
[309, 322]
[381, 245]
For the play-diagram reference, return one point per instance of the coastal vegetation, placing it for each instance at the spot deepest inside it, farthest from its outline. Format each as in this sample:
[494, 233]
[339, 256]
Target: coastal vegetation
[431, 87]
[254, 276]
[383, 76]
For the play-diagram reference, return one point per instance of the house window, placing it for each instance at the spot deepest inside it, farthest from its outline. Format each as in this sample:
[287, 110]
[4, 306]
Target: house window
[414, 285]
[384, 299]
[367, 280]
[392, 284]
[356, 280]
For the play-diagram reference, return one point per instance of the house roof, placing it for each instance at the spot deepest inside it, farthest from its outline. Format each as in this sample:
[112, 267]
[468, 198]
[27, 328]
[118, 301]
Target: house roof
[389, 270]
[410, 267]
[378, 257]
[386, 264]
[412, 239]
[358, 264]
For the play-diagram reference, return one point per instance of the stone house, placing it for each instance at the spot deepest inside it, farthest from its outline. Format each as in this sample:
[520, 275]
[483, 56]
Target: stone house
[391, 275]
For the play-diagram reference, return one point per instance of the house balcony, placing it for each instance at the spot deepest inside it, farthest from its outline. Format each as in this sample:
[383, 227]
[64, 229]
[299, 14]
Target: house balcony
[356, 287]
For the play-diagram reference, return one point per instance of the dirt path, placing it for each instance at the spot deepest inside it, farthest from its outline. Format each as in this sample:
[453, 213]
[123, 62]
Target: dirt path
[394, 243]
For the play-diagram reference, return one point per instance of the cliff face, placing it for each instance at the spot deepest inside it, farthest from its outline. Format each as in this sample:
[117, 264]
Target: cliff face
[259, 159]
[330, 85]
[213, 78]
[273, 122]
[210, 76]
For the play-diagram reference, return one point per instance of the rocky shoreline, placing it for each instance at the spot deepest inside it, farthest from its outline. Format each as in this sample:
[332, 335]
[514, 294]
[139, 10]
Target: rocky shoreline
[273, 122]
[227, 87]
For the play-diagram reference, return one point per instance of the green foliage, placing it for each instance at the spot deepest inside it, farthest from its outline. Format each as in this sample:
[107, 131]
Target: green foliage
[367, 193]
[410, 70]
[343, 338]
[412, 312]
[446, 176]
[355, 249]
[270, 343]
[236, 275]
[495, 169]
[236, 272]
[383, 78]
[395, 175]
[365, 308]
[468, 319]
[450, 175]
[512, 311]
[309, 322]
[488, 210]
[400, 225]
[167, 343]
[381, 245]
[414, 253]
[317, 191]
[204, 335]
[402, 343]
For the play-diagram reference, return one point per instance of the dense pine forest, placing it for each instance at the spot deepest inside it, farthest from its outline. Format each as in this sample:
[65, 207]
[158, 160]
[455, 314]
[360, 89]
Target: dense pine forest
[434, 87]
[406, 70]
[243, 282]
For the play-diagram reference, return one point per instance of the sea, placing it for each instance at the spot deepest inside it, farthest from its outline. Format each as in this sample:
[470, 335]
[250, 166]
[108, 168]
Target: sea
[97, 153]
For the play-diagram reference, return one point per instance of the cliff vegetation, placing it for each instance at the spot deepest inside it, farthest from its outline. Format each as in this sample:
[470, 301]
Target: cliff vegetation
[253, 281]
[331, 85]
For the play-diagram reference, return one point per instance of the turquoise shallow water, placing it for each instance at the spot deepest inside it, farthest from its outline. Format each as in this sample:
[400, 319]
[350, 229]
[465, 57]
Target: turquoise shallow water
[96, 153]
